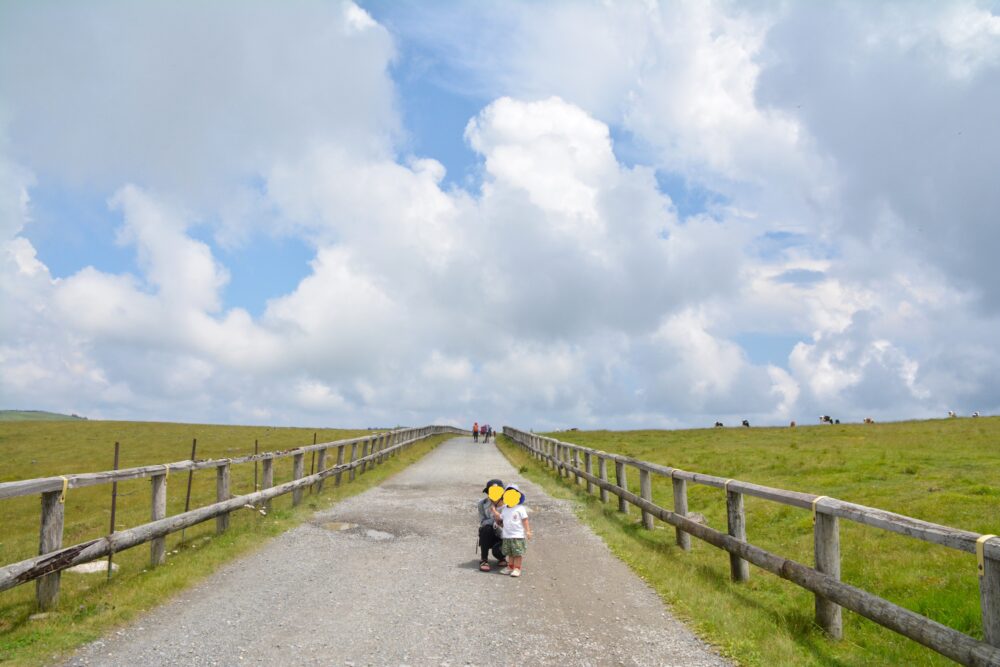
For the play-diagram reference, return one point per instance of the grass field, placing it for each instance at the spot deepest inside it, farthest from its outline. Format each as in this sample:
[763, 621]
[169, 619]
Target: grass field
[34, 415]
[945, 471]
[90, 605]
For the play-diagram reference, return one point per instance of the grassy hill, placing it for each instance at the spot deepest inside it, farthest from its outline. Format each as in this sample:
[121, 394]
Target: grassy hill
[945, 471]
[89, 605]
[34, 416]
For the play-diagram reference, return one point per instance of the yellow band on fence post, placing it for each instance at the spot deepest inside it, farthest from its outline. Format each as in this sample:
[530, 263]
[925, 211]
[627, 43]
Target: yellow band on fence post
[62, 496]
[725, 485]
[980, 555]
[816, 500]
[166, 472]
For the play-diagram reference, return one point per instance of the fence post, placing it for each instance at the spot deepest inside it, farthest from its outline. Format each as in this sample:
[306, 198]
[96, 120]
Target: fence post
[298, 471]
[221, 494]
[646, 491]
[826, 544]
[681, 509]
[340, 461]
[267, 478]
[354, 455]
[739, 569]
[321, 465]
[158, 546]
[989, 598]
[364, 453]
[588, 466]
[576, 466]
[50, 539]
[622, 484]
[602, 467]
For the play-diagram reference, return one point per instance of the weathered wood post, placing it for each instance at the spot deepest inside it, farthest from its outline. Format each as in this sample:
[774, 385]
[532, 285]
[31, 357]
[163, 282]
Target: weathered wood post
[646, 491]
[298, 472]
[221, 494]
[158, 545]
[739, 569]
[267, 478]
[340, 461]
[364, 453]
[550, 457]
[576, 466]
[989, 591]
[602, 468]
[354, 456]
[50, 539]
[826, 545]
[322, 467]
[681, 509]
[589, 468]
[622, 483]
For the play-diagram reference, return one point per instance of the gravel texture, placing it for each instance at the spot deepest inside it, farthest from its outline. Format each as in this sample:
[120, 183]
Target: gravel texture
[399, 584]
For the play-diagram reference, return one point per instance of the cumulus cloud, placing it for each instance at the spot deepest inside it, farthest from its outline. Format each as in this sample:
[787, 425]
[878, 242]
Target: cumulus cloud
[851, 216]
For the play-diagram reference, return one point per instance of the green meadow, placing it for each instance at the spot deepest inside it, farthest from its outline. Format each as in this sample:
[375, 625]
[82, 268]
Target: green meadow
[90, 604]
[945, 471]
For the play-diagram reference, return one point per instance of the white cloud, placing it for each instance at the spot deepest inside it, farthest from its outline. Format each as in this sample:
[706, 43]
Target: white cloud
[565, 290]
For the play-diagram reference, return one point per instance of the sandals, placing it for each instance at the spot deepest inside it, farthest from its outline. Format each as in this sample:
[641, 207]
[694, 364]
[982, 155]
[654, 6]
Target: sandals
[484, 567]
[502, 562]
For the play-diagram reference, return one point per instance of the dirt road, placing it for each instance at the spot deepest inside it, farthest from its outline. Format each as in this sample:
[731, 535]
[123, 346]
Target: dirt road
[390, 577]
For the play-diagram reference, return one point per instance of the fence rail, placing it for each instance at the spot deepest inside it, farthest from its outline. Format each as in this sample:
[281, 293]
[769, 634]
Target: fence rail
[824, 579]
[53, 557]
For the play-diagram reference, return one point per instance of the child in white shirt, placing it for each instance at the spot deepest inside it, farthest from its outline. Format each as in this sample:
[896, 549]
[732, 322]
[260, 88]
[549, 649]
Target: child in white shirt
[515, 529]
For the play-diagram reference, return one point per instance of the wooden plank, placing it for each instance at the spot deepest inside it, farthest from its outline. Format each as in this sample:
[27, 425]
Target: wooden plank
[646, 491]
[826, 547]
[681, 509]
[739, 569]
[50, 539]
[221, 495]
[158, 510]
[621, 483]
[298, 470]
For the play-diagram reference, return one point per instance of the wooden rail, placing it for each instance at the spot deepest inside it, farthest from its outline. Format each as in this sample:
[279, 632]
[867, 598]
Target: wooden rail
[53, 557]
[824, 578]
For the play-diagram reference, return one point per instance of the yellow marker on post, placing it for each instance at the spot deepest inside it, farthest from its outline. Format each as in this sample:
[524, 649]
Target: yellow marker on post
[980, 555]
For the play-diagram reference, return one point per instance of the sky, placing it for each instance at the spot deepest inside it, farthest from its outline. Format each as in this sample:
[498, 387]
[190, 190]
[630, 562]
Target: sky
[548, 215]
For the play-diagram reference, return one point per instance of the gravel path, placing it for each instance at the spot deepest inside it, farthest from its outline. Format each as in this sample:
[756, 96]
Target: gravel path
[402, 587]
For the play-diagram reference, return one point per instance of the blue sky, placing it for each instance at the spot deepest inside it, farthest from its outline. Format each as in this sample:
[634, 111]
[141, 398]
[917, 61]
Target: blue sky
[580, 214]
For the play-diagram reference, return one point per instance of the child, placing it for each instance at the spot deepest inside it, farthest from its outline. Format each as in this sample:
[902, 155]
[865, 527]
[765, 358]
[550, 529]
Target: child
[515, 529]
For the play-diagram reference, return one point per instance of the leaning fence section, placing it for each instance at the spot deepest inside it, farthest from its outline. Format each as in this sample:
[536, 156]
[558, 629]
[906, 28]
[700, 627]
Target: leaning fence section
[823, 578]
[353, 456]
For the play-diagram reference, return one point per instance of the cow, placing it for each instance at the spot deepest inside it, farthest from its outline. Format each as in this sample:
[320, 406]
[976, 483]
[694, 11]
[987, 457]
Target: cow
[976, 413]
[718, 424]
[792, 425]
[746, 423]
[951, 413]
[869, 420]
[825, 419]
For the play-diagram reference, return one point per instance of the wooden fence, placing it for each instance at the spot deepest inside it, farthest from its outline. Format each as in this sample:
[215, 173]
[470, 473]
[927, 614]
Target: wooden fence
[45, 569]
[831, 594]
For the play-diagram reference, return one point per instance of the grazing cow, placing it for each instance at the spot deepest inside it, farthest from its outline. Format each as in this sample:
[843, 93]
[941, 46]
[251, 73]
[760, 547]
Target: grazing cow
[976, 413]
[836, 421]
[718, 424]
[826, 419]
[869, 420]
[792, 425]
[746, 423]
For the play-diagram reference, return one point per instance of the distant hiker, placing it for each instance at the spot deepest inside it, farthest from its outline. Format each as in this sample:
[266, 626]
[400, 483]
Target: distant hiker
[475, 432]
[489, 529]
[486, 429]
[514, 529]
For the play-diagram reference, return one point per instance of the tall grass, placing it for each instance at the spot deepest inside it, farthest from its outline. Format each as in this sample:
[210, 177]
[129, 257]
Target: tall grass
[89, 605]
[944, 471]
